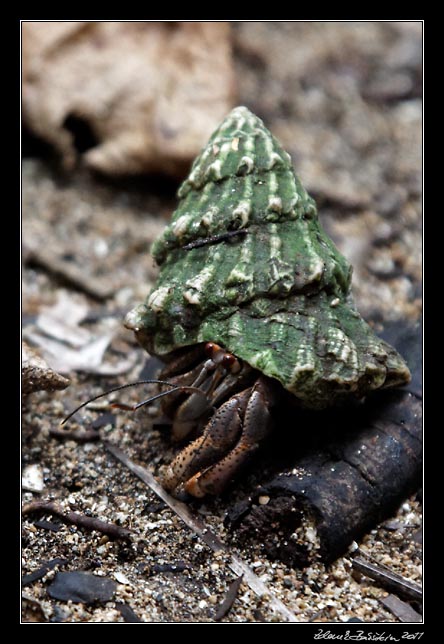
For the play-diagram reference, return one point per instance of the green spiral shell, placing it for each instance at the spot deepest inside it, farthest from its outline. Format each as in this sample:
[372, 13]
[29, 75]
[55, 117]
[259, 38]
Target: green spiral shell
[246, 263]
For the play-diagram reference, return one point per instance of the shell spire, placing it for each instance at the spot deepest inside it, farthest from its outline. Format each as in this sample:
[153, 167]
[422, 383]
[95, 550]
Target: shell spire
[241, 178]
[246, 263]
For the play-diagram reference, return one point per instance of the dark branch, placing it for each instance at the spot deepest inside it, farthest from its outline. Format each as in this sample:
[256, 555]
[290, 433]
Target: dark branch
[79, 520]
[80, 436]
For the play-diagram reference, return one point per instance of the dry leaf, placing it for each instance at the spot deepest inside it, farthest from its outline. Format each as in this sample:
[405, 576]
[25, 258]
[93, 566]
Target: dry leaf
[70, 347]
[146, 95]
[87, 358]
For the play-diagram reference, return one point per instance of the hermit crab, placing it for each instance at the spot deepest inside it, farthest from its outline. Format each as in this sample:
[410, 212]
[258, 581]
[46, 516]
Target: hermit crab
[252, 302]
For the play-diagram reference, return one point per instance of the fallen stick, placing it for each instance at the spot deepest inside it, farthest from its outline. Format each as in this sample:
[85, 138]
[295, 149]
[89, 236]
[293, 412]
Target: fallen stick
[403, 611]
[80, 520]
[77, 435]
[68, 272]
[388, 579]
[334, 494]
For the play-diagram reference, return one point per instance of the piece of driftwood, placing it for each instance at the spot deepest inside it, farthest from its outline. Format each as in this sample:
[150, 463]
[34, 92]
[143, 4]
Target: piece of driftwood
[341, 472]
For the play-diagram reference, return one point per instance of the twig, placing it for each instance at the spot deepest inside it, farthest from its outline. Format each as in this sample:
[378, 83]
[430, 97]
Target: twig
[403, 611]
[236, 564]
[228, 601]
[180, 566]
[80, 520]
[388, 579]
[78, 435]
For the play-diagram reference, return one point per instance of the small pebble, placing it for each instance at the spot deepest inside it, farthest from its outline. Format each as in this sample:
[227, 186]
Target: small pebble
[32, 478]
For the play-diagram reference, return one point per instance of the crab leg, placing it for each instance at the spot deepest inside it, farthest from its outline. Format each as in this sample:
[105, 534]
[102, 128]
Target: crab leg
[209, 463]
[218, 438]
[256, 425]
[191, 410]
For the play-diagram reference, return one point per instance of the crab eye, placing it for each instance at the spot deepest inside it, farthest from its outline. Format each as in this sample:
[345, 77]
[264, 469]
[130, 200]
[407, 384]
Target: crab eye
[212, 349]
[230, 363]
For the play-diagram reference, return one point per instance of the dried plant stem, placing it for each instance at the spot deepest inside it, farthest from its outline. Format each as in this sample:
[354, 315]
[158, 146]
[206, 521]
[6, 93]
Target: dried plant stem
[388, 579]
[77, 435]
[79, 520]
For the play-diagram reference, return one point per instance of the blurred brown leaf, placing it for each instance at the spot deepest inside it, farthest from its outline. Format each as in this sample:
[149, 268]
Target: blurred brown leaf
[145, 96]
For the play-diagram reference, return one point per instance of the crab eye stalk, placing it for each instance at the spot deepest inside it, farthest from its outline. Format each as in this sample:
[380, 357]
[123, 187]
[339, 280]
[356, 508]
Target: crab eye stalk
[212, 349]
[231, 363]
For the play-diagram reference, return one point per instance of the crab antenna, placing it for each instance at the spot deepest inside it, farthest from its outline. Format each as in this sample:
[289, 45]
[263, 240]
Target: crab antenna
[125, 386]
[195, 390]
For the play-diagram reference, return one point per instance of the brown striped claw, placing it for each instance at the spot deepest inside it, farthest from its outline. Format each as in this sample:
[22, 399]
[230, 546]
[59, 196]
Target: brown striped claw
[209, 463]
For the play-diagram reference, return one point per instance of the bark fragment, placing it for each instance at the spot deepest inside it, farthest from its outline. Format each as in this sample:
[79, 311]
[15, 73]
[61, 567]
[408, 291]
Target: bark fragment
[37, 375]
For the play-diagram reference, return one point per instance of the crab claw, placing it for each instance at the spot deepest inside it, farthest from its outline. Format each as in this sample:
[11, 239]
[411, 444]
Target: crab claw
[192, 486]
[219, 436]
[209, 464]
[215, 479]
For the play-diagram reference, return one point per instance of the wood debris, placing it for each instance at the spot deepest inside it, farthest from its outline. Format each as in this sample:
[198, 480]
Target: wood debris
[80, 520]
[403, 611]
[37, 375]
[388, 579]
